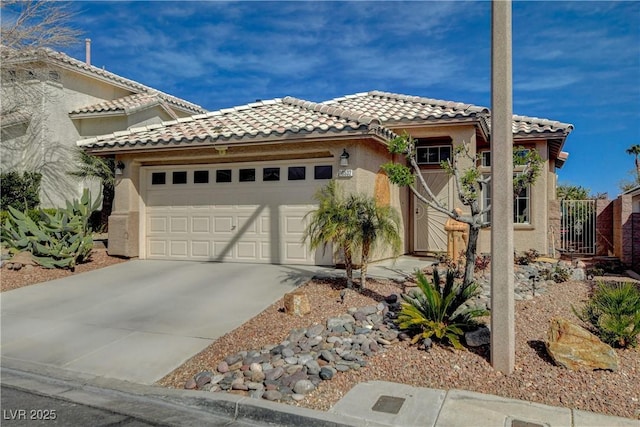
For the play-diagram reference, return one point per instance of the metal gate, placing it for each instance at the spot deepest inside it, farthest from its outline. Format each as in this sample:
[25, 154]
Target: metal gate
[578, 226]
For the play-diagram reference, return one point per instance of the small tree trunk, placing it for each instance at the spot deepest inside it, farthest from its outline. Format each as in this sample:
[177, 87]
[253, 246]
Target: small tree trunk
[108, 193]
[474, 232]
[366, 247]
[348, 266]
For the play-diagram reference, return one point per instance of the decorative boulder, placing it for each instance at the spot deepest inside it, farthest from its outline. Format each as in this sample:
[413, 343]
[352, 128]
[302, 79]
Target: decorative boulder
[575, 348]
[297, 303]
[478, 337]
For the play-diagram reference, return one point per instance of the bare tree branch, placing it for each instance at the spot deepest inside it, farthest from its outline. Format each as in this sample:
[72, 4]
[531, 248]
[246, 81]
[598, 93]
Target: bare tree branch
[36, 24]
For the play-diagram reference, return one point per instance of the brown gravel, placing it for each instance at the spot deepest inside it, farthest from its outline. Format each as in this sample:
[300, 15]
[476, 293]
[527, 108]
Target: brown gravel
[30, 275]
[535, 379]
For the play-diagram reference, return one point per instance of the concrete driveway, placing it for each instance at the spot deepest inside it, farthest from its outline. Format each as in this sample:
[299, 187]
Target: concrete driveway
[139, 320]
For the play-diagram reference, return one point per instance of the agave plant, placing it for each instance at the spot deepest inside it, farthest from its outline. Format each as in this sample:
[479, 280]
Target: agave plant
[59, 240]
[614, 313]
[440, 312]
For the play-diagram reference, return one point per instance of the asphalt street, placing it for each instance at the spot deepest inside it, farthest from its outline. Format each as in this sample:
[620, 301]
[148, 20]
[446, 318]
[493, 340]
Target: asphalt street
[21, 408]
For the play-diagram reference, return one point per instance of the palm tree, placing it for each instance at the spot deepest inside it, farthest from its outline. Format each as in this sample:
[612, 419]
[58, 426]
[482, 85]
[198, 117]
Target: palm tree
[635, 151]
[101, 169]
[332, 223]
[374, 225]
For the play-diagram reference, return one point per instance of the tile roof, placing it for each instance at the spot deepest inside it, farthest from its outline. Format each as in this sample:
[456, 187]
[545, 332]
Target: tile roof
[126, 105]
[9, 55]
[394, 110]
[373, 112]
[530, 125]
[259, 121]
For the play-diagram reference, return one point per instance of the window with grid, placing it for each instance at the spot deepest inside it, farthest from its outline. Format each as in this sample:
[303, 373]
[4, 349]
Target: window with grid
[521, 205]
[433, 154]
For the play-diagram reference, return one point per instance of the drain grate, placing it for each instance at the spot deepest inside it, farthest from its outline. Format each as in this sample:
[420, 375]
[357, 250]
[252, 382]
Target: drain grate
[521, 423]
[392, 405]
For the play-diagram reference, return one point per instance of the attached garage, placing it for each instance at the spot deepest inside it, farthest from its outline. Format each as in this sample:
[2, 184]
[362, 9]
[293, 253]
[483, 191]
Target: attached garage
[232, 212]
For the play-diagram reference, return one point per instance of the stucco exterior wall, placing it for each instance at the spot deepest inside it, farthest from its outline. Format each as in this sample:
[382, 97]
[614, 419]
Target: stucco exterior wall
[367, 160]
[366, 157]
[50, 138]
[534, 235]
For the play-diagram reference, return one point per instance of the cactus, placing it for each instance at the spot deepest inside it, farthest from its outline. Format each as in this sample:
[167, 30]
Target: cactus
[59, 240]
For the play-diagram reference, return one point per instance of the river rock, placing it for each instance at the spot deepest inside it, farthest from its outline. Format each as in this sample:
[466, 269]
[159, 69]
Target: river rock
[575, 348]
[303, 387]
[272, 395]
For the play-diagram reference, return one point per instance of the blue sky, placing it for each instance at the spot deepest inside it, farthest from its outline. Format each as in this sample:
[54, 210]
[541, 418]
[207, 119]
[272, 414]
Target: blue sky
[575, 62]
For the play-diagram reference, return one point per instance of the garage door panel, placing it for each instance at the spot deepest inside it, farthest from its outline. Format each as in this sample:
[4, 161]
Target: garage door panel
[178, 248]
[222, 224]
[157, 248]
[223, 250]
[201, 249]
[294, 224]
[200, 224]
[245, 222]
[247, 250]
[296, 252]
[157, 224]
[179, 224]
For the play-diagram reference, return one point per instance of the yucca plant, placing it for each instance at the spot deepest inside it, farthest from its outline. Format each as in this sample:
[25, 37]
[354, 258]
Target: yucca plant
[614, 313]
[440, 312]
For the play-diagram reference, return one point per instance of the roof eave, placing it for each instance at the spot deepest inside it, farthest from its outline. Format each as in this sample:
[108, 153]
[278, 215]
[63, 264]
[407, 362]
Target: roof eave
[284, 138]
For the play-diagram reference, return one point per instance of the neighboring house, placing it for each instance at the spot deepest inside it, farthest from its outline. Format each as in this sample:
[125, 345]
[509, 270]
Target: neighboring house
[235, 184]
[50, 100]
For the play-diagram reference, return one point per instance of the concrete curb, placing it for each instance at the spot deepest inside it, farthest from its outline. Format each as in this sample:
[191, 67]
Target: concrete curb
[161, 405]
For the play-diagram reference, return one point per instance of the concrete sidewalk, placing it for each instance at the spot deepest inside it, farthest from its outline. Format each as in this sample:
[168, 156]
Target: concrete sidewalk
[375, 404]
[382, 403]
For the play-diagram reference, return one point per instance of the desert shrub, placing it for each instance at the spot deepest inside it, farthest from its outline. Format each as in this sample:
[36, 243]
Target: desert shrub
[527, 257]
[439, 312]
[558, 273]
[56, 240]
[20, 190]
[482, 263]
[607, 267]
[614, 313]
[457, 267]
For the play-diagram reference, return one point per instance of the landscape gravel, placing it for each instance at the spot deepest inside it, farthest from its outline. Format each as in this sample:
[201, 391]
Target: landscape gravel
[32, 274]
[535, 378]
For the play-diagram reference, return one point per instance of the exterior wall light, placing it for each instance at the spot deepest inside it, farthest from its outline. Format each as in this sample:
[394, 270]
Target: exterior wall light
[119, 168]
[344, 158]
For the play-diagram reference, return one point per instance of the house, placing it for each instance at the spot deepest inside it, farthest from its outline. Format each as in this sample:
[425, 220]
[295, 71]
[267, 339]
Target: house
[235, 184]
[50, 100]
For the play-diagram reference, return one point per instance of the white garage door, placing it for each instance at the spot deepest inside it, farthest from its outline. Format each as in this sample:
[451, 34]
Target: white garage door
[232, 213]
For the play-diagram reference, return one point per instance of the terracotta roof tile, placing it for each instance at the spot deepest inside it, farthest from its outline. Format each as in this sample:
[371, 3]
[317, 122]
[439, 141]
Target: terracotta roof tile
[392, 108]
[256, 121]
[63, 60]
[372, 112]
[126, 105]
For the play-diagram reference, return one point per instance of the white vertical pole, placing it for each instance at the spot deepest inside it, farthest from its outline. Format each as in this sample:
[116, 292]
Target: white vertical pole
[502, 301]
